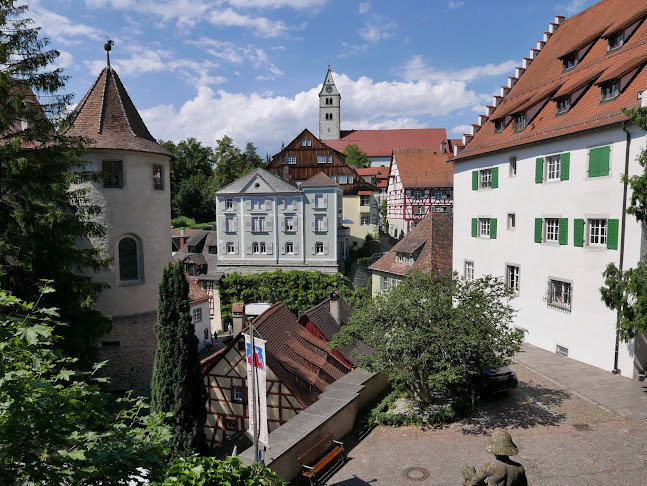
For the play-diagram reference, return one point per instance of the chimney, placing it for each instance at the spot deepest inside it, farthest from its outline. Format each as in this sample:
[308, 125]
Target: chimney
[443, 147]
[238, 317]
[334, 306]
[182, 238]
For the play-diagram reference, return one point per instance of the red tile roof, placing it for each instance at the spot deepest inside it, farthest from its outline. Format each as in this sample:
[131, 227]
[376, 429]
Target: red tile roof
[424, 168]
[546, 71]
[380, 143]
[196, 294]
[381, 175]
[107, 116]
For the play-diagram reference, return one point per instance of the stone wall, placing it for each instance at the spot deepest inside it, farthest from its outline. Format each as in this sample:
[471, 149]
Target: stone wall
[130, 351]
[254, 269]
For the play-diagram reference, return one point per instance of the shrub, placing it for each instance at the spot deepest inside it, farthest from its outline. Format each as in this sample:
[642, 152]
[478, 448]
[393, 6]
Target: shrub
[182, 222]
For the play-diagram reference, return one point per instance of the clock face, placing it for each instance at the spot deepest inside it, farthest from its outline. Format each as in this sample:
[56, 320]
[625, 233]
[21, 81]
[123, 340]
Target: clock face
[328, 89]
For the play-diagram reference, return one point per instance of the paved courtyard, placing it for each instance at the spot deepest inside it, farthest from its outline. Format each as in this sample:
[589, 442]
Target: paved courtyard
[574, 425]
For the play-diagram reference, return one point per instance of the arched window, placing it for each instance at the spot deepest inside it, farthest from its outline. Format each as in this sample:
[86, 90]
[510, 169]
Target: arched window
[128, 259]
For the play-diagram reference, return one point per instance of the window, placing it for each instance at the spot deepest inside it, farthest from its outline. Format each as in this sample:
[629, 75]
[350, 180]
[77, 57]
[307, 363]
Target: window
[417, 194]
[365, 200]
[512, 277]
[283, 159]
[569, 61]
[112, 171]
[419, 210]
[469, 270]
[303, 142]
[499, 125]
[610, 91]
[262, 247]
[485, 177]
[289, 248]
[258, 224]
[213, 250]
[197, 315]
[513, 166]
[552, 229]
[404, 257]
[334, 178]
[512, 223]
[563, 104]
[238, 394]
[319, 248]
[128, 259]
[384, 283]
[484, 227]
[450, 194]
[553, 166]
[230, 425]
[321, 201]
[342, 179]
[292, 159]
[158, 177]
[230, 248]
[520, 122]
[229, 203]
[321, 159]
[289, 223]
[598, 232]
[320, 223]
[192, 249]
[255, 249]
[615, 41]
[365, 220]
[559, 294]
[309, 142]
[231, 224]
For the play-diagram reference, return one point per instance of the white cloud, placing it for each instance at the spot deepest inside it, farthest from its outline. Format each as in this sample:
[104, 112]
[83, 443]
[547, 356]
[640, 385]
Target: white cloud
[461, 129]
[363, 7]
[574, 6]
[296, 4]
[417, 70]
[455, 4]
[262, 25]
[376, 29]
[60, 28]
[268, 120]
[64, 60]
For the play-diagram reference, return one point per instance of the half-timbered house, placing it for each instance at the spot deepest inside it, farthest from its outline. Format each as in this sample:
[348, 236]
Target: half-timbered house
[420, 180]
[299, 368]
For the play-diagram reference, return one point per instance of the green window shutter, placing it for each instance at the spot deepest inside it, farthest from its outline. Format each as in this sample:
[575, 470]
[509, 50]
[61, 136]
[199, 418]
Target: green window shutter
[612, 234]
[594, 162]
[475, 180]
[603, 168]
[474, 227]
[538, 223]
[578, 232]
[563, 231]
[495, 177]
[565, 166]
[493, 228]
[539, 170]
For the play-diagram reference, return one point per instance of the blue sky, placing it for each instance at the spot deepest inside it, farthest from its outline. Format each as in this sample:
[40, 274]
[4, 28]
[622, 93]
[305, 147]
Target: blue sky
[252, 69]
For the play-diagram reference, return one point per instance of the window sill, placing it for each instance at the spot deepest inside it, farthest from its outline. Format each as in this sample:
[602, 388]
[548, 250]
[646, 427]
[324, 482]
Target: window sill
[130, 283]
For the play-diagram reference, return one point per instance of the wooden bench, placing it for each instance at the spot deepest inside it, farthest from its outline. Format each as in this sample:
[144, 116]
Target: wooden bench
[316, 460]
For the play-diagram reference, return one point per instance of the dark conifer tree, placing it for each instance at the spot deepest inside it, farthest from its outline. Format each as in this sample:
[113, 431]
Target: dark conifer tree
[177, 387]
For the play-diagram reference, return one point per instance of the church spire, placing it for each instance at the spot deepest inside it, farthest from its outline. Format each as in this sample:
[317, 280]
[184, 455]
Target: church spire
[329, 109]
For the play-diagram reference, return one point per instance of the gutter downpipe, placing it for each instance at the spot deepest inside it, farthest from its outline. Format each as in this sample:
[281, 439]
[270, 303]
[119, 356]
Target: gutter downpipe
[616, 371]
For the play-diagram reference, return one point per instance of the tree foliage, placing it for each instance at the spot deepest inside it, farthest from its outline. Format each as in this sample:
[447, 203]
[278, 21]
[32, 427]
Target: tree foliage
[298, 290]
[44, 205]
[177, 388]
[54, 425]
[431, 335]
[357, 157]
[205, 471]
[231, 163]
[625, 291]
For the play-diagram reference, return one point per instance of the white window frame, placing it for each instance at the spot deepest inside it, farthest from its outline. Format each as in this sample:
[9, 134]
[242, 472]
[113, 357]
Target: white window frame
[230, 248]
[319, 248]
[512, 161]
[469, 270]
[512, 276]
[365, 200]
[319, 201]
[610, 91]
[229, 224]
[292, 159]
[238, 394]
[512, 221]
[289, 248]
[416, 194]
[597, 232]
[364, 220]
[484, 227]
[553, 167]
[419, 210]
[342, 179]
[196, 315]
[485, 179]
[551, 234]
[618, 41]
[289, 223]
[520, 122]
[560, 294]
[401, 257]
[321, 159]
[258, 224]
[229, 204]
[319, 223]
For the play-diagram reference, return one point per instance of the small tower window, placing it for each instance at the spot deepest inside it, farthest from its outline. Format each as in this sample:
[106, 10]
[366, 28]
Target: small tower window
[158, 177]
[112, 171]
[128, 259]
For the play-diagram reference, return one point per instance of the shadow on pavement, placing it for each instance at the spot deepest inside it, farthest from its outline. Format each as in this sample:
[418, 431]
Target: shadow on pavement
[354, 481]
[525, 407]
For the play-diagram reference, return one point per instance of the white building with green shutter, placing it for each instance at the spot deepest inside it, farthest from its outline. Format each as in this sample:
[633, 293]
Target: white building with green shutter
[538, 194]
[266, 223]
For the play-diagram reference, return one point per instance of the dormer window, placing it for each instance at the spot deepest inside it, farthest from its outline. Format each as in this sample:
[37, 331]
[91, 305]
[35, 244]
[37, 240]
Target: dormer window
[610, 90]
[563, 104]
[520, 122]
[403, 257]
[303, 142]
[569, 61]
[499, 125]
[615, 41]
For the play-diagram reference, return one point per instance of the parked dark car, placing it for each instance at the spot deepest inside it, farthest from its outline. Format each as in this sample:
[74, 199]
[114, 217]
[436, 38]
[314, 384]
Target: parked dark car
[496, 381]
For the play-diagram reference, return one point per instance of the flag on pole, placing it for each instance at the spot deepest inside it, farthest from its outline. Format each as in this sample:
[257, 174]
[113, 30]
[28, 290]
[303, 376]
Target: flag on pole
[260, 407]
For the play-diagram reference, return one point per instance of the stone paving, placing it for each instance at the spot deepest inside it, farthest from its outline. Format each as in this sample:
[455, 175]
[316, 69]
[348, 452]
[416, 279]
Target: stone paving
[574, 425]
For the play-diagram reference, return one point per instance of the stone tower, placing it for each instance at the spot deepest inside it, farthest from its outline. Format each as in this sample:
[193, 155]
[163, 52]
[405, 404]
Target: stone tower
[329, 109]
[135, 196]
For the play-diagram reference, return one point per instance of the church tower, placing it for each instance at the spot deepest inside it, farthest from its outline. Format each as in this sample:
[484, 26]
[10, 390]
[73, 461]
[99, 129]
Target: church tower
[329, 109]
[134, 194]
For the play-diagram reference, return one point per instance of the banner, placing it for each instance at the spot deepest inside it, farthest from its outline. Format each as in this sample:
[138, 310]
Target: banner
[260, 407]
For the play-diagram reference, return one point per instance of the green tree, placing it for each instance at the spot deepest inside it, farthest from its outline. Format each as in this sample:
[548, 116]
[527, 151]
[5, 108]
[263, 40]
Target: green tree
[196, 198]
[252, 159]
[357, 157]
[625, 291]
[204, 471]
[54, 425]
[229, 162]
[385, 221]
[44, 205]
[430, 335]
[177, 387]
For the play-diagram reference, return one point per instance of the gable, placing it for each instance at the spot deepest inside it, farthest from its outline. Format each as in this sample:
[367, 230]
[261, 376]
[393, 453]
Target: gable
[257, 185]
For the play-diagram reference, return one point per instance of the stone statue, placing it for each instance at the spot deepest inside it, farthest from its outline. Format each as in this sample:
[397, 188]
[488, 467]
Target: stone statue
[503, 471]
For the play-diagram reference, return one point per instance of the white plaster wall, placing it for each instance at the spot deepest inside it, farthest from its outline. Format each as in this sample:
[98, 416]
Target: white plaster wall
[588, 331]
[135, 209]
[204, 323]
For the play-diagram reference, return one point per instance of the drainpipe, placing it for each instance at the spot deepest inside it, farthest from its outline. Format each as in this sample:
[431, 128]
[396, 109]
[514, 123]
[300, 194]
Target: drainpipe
[616, 371]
